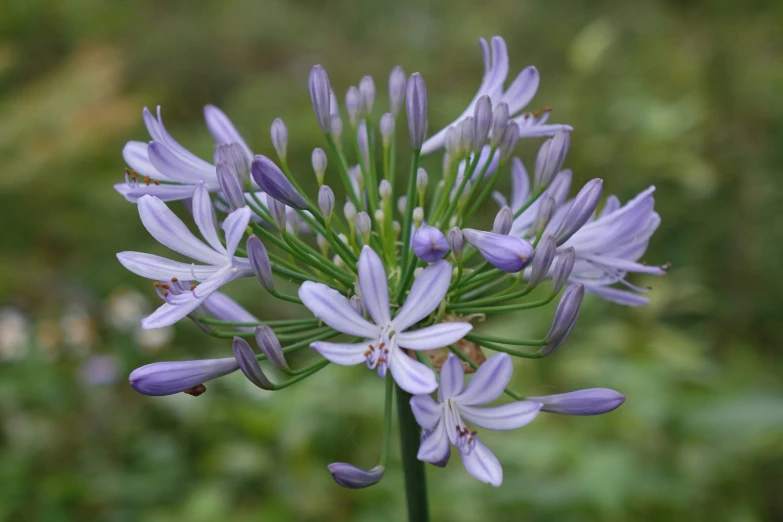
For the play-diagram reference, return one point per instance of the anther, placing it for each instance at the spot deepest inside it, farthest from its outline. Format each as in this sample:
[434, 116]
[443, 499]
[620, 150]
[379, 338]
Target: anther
[165, 293]
[155, 182]
[192, 287]
[164, 285]
[174, 279]
[147, 180]
[156, 284]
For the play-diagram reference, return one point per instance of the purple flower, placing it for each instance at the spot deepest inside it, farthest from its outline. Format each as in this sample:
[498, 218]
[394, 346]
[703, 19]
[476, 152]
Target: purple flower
[507, 253]
[593, 401]
[321, 96]
[517, 96]
[456, 405]
[220, 265]
[416, 109]
[272, 181]
[270, 346]
[565, 318]
[429, 244]
[386, 336]
[167, 378]
[246, 359]
[349, 476]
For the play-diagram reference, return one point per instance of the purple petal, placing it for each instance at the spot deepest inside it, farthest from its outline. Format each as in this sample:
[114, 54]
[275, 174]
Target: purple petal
[204, 216]
[522, 89]
[222, 130]
[482, 464]
[412, 376]
[435, 336]
[176, 148]
[435, 447]
[135, 155]
[452, 378]
[507, 253]
[427, 291]
[224, 308]
[593, 401]
[271, 179]
[333, 308]
[500, 418]
[175, 168]
[344, 354]
[520, 184]
[235, 226]
[133, 193]
[166, 378]
[374, 286]
[162, 269]
[349, 476]
[489, 381]
[429, 244]
[248, 363]
[426, 410]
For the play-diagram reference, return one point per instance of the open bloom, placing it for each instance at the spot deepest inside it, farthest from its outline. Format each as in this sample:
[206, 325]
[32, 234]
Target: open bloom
[517, 96]
[386, 336]
[446, 418]
[220, 265]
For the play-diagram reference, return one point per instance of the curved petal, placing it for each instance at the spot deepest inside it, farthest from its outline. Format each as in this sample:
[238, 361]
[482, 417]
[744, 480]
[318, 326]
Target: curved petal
[333, 308]
[234, 226]
[505, 417]
[170, 231]
[435, 336]
[135, 155]
[162, 269]
[435, 446]
[221, 128]
[520, 184]
[427, 292]
[374, 285]
[482, 464]
[522, 89]
[175, 167]
[224, 308]
[133, 193]
[344, 354]
[426, 410]
[489, 381]
[168, 314]
[452, 378]
[178, 149]
[204, 216]
[412, 376]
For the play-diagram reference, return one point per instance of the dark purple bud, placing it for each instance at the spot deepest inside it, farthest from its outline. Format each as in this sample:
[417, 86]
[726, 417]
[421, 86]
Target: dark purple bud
[416, 109]
[563, 268]
[167, 378]
[367, 91]
[580, 211]
[248, 363]
[429, 244]
[353, 105]
[500, 117]
[542, 260]
[320, 94]
[270, 346]
[272, 181]
[397, 80]
[326, 201]
[565, 318]
[230, 185]
[349, 476]
[550, 158]
[503, 221]
[456, 242]
[509, 141]
[593, 401]
[482, 121]
[279, 134]
[507, 253]
[259, 262]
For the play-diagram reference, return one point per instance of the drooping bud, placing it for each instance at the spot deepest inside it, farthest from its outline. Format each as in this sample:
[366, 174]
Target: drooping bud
[364, 226]
[385, 190]
[270, 346]
[349, 211]
[248, 363]
[337, 128]
[550, 157]
[397, 81]
[453, 143]
[507, 253]
[500, 117]
[349, 476]
[546, 210]
[593, 401]
[326, 201]
[580, 211]
[234, 156]
[367, 91]
[429, 244]
[279, 134]
[358, 304]
[563, 268]
[353, 105]
[271, 179]
[230, 185]
[277, 210]
[402, 204]
[387, 128]
[456, 242]
[503, 221]
[416, 109]
[320, 94]
[418, 216]
[318, 160]
[482, 121]
[509, 141]
[542, 260]
[167, 378]
[259, 262]
[421, 182]
[364, 145]
[565, 318]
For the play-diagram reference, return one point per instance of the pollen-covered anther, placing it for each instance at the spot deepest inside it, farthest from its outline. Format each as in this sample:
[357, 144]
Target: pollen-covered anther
[192, 287]
[156, 284]
[164, 286]
[174, 279]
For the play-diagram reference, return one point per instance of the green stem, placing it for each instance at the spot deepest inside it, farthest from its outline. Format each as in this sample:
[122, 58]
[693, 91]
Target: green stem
[415, 480]
[387, 415]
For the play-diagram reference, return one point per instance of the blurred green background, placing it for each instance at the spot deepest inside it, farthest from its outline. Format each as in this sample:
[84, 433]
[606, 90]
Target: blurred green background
[683, 95]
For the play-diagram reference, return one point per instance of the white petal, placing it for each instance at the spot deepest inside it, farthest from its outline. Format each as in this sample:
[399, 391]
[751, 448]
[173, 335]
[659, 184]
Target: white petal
[374, 285]
[489, 381]
[170, 231]
[333, 308]
[343, 354]
[204, 216]
[506, 417]
[162, 269]
[435, 447]
[427, 292]
[426, 410]
[483, 465]
[435, 336]
[452, 378]
[234, 226]
[412, 376]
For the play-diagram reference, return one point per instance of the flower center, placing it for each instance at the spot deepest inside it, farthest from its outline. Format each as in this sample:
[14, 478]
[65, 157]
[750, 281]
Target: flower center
[463, 438]
[378, 354]
[169, 291]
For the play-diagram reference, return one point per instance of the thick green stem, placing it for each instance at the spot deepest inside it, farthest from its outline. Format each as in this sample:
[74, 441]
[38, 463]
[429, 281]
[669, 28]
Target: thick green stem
[415, 480]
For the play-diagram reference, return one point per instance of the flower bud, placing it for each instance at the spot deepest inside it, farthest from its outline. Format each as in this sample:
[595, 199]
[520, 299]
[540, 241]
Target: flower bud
[269, 344]
[482, 120]
[418, 216]
[364, 145]
[387, 128]
[593, 401]
[337, 260]
[416, 109]
[421, 181]
[542, 260]
[271, 179]
[550, 157]
[358, 304]
[349, 476]
[385, 190]
[560, 187]
[509, 141]
[563, 268]
[326, 201]
[248, 363]
[429, 244]
[367, 92]
[353, 105]
[580, 211]
[565, 318]
[279, 134]
[323, 244]
[379, 215]
[396, 228]
[453, 143]
[230, 185]
[320, 94]
[500, 118]
[259, 262]
[456, 242]
[466, 130]
[364, 226]
[397, 81]
[336, 128]
[167, 378]
[277, 210]
[546, 210]
[349, 211]
[318, 159]
[507, 253]
[234, 156]
[503, 221]
[402, 204]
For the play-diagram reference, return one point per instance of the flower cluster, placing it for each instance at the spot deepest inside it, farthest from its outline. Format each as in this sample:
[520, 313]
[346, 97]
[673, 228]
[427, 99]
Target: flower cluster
[394, 282]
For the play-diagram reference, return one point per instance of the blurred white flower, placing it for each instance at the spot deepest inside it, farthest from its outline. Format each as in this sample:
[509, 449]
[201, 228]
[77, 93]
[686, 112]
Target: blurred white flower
[14, 334]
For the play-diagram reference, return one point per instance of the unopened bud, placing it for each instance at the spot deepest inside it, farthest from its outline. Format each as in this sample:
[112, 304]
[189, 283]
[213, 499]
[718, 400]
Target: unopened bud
[453, 143]
[364, 226]
[565, 318]
[385, 190]
[421, 182]
[466, 135]
[323, 244]
[563, 268]
[416, 109]
[402, 204]
[482, 120]
[167, 378]
[500, 118]
[593, 401]
[353, 105]
[363, 144]
[337, 260]
[279, 134]
[234, 156]
[509, 141]
[507, 253]
[542, 260]
[269, 344]
[396, 228]
[230, 185]
[387, 128]
[367, 92]
[349, 211]
[397, 81]
[259, 262]
[336, 130]
[318, 159]
[271, 179]
[550, 158]
[503, 221]
[277, 210]
[418, 216]
[580, 211]
[326, 201]
[379, 215]
[352, 477]
[456, 242]
[248, 363]
[320, 94]
[429, 244]
[546, 210]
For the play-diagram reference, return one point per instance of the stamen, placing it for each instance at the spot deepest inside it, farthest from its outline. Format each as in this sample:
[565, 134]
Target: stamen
[174, 279]
[164, 285]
